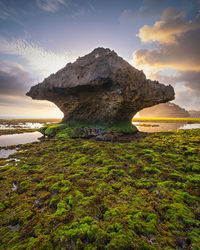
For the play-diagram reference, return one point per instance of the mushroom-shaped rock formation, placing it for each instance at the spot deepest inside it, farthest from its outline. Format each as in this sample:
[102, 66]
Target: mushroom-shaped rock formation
[101, 88]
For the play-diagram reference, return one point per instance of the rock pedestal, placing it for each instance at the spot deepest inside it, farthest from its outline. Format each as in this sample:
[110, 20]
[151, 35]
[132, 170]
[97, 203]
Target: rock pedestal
[101, 88]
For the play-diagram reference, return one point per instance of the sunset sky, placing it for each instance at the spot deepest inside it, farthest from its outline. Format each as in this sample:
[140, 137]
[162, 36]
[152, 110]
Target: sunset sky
[38, 37]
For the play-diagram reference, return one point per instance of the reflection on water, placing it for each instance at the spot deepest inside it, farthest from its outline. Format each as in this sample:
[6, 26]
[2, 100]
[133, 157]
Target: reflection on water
[15, 139]
[152, 127]
[4, 153]
[190, 126]
[22, 125]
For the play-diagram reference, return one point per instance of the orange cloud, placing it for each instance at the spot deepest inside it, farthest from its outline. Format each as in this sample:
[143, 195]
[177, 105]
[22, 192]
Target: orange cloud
[178, 43]
[177, 48]
[171, 26]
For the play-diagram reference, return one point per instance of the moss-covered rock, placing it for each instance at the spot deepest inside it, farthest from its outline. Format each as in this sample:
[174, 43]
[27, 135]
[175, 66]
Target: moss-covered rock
[88, 130]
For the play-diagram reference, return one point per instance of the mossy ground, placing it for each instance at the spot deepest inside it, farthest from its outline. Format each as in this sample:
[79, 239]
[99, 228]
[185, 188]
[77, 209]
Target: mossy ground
[86, 194]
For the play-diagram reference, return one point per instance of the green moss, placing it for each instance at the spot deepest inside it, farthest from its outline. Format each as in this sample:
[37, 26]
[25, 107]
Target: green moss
[123, 127]
[61, 209]
[78, 129]
[87, 194]
[2, 207]
[52, 130]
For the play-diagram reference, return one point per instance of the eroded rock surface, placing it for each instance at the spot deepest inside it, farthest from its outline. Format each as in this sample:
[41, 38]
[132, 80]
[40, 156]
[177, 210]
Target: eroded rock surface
[101, 87]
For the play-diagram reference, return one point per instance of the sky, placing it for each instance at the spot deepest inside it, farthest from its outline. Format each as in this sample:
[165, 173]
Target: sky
[38, 37]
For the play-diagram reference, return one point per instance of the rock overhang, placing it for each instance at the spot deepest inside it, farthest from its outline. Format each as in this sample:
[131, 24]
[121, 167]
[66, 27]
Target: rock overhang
[101, 87]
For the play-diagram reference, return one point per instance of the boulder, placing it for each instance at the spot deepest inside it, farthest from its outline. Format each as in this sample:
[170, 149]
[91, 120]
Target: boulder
[101, 88]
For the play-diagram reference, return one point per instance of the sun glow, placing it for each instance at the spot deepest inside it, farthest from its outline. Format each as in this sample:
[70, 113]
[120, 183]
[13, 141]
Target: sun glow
[148, 70]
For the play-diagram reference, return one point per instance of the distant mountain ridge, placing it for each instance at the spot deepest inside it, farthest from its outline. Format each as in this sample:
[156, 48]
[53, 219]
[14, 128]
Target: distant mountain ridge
[194, 113]
[168, 109]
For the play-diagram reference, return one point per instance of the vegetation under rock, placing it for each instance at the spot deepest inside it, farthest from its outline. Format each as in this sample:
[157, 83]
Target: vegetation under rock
[86, 194]
[76, 129]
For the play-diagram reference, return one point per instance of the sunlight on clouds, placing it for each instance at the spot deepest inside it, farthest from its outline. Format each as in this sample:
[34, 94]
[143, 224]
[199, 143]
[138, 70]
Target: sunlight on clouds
[167, 30]
[160, 59]
[38, 59]
[175, 57]
[178, 43]
[147, 69]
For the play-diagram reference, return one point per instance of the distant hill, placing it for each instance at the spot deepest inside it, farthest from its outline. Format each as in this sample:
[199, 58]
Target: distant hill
[194, 113]
[164, 110]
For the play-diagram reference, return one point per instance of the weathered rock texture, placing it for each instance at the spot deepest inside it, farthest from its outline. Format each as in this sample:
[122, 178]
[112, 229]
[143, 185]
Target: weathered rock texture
[100, 87]
[164, 110]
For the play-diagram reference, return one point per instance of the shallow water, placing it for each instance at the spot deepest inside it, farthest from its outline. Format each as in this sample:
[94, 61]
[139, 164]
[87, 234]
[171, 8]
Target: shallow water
[152, 127]
[190, 126]
[15, 139]
[22, 125]
[4, 153]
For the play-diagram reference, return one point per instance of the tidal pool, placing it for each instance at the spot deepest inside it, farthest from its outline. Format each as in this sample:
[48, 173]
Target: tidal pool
[15, 139]
[4, 153]
[152, 127]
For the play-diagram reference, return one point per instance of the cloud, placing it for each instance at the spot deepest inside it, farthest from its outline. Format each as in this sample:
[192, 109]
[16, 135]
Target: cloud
[176, 48]
[191, 80]
[14, 83]
[38, 59]
[169, 28]
[186, 85]
[166, 79]
[187, 100]
[5, 11]
[149, 8]
[52, 5]
[178, 43]
[13, 79]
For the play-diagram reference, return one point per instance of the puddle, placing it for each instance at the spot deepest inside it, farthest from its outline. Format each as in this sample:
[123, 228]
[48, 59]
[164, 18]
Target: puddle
[15, 159]
[4, 165]
[14, 187]
[152, 127]
[4, 153]
[15, 227]
[15, 139]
